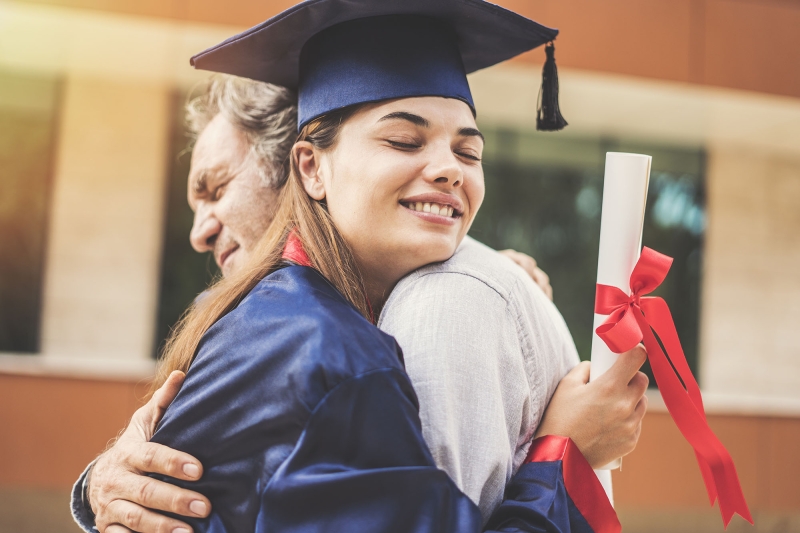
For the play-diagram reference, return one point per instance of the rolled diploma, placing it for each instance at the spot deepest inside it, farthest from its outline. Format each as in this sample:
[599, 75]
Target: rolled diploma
[627, 177]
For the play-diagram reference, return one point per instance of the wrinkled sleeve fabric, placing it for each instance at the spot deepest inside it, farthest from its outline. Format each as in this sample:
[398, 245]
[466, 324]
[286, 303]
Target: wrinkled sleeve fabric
[362, 465]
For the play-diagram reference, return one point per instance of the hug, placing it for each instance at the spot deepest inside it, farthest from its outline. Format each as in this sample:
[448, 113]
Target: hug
[363, 364]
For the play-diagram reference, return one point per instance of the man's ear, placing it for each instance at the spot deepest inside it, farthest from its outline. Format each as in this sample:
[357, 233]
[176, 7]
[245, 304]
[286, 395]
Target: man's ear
[308, 165]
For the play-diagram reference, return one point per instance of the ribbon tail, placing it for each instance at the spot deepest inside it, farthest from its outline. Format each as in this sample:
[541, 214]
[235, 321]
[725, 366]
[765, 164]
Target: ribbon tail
[691, 422]
[658, 315]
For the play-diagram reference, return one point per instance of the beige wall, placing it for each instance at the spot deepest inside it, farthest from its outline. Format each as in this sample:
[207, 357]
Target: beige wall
[101, 281]
[751, 302]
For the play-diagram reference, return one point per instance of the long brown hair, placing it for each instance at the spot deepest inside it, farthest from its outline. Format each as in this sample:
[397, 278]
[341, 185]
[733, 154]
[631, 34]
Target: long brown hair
[326, 249]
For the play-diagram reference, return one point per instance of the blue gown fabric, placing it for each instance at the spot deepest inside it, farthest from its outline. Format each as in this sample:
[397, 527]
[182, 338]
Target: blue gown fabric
[305, 421]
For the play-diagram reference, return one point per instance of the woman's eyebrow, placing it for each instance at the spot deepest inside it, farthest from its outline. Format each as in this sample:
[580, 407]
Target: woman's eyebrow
[471, 132]
[410, 117]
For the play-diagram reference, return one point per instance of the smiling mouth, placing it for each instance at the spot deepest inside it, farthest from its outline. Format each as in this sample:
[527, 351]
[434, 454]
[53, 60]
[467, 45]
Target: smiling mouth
[432, 208]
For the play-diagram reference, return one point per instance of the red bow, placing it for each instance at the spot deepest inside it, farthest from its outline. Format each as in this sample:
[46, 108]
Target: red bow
[634, 318]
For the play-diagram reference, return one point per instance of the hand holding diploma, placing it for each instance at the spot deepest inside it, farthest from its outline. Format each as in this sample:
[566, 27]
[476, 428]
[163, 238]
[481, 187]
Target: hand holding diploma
[604, 417]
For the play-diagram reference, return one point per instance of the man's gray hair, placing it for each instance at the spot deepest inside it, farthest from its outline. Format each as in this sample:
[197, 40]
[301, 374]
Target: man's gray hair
[266, 113]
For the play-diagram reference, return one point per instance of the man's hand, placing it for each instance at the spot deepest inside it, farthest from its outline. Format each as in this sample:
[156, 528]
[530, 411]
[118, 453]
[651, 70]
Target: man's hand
[528, 264]
[603, 417]
[122, 497]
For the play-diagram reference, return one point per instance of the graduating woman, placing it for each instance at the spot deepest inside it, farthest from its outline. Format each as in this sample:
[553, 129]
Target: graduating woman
[296, 404]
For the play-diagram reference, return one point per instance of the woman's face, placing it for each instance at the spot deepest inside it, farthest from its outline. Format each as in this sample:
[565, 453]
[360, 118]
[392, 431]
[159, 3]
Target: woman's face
[403, 182]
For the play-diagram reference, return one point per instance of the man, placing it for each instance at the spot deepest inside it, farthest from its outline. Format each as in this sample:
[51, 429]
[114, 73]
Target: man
[495, 344]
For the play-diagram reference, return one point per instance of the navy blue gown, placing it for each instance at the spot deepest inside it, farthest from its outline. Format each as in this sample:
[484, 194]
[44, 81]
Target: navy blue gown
[305, 421]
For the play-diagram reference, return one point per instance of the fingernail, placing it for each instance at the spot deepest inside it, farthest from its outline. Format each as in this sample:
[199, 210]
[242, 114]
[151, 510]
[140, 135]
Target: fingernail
[198, 507]
[191, 470]
[181, 530]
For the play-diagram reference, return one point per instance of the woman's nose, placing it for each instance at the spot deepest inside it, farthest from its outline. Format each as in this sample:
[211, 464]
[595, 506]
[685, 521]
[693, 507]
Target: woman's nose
[205, 230]
[445, 168]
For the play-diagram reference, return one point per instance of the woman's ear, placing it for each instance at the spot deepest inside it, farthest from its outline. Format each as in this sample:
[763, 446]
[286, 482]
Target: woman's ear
[308, 165]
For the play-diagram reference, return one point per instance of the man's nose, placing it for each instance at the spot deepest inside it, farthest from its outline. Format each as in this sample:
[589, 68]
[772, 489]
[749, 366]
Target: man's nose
[204, 232]
[444, 167]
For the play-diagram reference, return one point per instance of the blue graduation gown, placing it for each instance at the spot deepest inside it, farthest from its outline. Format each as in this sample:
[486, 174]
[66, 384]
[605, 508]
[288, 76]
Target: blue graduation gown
[305, 421]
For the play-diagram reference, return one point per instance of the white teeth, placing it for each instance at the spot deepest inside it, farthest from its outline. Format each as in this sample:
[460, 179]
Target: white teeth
[435, 209]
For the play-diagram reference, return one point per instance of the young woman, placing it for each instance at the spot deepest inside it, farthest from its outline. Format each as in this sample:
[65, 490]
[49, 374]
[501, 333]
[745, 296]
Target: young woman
[295, 403]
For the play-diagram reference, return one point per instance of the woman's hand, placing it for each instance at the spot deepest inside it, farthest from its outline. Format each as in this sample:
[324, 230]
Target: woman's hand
[122, 496]
[604, 417]
[529, 265]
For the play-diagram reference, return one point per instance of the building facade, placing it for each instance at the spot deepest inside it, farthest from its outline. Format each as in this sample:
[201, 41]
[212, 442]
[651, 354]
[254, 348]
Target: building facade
[89, 95]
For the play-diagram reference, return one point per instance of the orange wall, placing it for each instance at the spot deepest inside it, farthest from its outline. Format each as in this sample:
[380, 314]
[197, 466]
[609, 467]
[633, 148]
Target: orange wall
[741, 44]
[53, 427]
[662, 471]
[50, 428]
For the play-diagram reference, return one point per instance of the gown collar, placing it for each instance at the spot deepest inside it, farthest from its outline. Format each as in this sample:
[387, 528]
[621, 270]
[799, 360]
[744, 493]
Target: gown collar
[293, 251]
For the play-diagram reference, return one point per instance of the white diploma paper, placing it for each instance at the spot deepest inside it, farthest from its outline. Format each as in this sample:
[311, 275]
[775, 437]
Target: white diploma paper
[627, 177]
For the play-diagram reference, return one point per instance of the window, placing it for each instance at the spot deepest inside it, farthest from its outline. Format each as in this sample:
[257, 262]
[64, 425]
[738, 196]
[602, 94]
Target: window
[544, 196]
[28, 110]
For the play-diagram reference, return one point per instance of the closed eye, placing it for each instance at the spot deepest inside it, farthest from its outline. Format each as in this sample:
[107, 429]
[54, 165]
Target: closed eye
[466, 155]
[218, 193]
[402, 145]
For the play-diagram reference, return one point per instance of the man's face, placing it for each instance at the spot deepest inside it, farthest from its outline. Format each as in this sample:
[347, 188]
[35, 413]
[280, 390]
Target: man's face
[232, 204]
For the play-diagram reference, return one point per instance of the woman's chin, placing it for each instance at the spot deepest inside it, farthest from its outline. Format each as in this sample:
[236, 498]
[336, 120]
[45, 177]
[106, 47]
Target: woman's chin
[435, 249]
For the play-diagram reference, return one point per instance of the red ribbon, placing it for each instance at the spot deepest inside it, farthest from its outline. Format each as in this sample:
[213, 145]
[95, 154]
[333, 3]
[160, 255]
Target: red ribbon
[635, 318]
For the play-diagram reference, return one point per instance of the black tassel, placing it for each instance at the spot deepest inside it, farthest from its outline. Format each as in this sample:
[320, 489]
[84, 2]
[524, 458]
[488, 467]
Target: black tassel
[548, 115]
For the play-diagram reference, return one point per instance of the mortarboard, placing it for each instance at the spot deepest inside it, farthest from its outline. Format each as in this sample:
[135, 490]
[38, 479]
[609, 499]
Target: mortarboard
[338, 53]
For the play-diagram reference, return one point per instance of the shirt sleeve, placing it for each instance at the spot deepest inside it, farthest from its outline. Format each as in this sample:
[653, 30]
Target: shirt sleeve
[81, 513]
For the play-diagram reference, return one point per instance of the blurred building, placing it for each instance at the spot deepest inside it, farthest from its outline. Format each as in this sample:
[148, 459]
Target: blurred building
[95, 263]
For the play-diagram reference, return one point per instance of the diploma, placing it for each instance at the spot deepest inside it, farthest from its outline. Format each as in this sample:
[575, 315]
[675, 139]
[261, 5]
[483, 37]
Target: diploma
[627, 177]
[625, 315]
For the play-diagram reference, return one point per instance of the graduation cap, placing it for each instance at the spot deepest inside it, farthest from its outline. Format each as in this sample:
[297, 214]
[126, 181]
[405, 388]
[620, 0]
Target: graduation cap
[338, 53]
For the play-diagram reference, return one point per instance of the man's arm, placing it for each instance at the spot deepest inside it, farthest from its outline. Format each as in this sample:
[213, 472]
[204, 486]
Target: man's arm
[119, 496]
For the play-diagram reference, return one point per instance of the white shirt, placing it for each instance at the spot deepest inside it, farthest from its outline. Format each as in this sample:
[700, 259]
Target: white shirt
[485, 350]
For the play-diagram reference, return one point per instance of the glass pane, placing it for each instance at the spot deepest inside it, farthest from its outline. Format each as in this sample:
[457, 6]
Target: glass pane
[27, 140]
